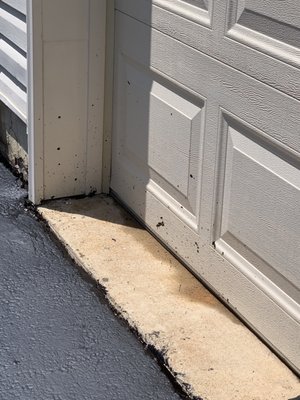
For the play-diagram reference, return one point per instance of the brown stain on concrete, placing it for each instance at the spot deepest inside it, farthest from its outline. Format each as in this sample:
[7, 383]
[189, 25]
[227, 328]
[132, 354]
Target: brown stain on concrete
[185, 285]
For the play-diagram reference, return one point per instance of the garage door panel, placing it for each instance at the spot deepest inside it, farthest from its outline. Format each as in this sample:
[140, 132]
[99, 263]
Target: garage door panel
[242, 48]
[274, 28]
[167, 158]
[254, 102]
[208, 156]
[270, 27]
[170, 135]
[281, 12]
[261, 202]
[276, 116]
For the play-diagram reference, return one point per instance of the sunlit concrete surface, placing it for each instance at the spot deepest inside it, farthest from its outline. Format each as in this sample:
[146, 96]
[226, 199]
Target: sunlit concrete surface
[209, 351]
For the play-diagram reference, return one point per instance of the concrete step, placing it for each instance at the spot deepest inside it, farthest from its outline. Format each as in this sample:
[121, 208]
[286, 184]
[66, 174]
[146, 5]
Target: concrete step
[212, 354]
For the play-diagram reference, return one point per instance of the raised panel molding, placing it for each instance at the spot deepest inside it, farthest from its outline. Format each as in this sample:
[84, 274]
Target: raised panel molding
[272, 27]
[258, 212]
[188, 4]
[161, 127]
[175, 157]
[179, 120]
[198, 11]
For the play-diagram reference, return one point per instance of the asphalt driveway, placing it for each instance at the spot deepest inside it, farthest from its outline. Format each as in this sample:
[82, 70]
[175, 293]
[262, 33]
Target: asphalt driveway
[59, 340]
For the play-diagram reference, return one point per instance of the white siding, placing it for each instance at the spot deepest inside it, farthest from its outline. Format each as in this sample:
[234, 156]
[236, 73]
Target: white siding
[13, 50]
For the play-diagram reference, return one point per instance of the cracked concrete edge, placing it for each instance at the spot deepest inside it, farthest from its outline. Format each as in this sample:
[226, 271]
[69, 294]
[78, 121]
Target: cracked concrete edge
[157, 349]
[249, 371]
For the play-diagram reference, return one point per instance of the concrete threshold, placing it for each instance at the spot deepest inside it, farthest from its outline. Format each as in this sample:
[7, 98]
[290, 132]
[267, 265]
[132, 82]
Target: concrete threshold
[208, 350]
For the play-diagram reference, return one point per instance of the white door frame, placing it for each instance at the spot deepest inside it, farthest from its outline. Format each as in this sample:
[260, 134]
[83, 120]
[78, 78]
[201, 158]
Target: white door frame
[66, 92]
[108, 95]
[34, 101]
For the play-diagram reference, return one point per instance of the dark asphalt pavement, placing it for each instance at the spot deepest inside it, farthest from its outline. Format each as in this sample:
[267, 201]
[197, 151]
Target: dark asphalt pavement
[58, 339]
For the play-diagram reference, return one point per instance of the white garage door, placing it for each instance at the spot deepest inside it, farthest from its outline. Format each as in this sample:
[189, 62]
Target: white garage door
[206, 146]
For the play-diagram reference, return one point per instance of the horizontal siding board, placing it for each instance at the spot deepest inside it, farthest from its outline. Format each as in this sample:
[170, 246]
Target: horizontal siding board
[14, 97]
[13, 29]
[19, 5]
[13, 62]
